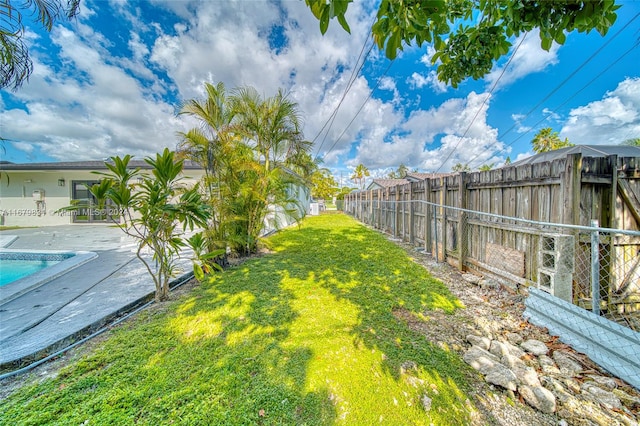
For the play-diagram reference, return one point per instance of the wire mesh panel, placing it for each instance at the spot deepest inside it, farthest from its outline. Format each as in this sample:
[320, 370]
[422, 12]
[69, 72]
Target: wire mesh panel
[597, 269]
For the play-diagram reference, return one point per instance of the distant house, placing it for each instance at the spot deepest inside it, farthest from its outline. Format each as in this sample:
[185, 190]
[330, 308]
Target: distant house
[31, 194]
[411, 177]
[385, 183]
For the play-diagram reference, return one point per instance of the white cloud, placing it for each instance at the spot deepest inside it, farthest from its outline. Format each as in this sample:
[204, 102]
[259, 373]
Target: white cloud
[520, 128]
[609, 121]
[529, 58]
[427, 57]
[94, 111]
[462, 138]
[417, 80]
[550, 114]
[100, 102]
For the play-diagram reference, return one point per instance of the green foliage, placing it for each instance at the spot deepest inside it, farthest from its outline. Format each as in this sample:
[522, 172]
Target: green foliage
[401, 173]
[254, 154]
[151, 211]
[344, 191]
[205, 262]
[14, 51]
[486, 167]
[323, 184]
[469, 36]
[632, 142]
[308, 335]
[547, 140]
[459, 167]
[360, 174]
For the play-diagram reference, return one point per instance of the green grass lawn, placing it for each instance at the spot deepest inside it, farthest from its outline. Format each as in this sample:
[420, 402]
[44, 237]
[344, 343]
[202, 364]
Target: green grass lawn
[305, 335]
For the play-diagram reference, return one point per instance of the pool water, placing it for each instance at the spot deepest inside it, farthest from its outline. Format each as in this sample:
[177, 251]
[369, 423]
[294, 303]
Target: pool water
[14, 269]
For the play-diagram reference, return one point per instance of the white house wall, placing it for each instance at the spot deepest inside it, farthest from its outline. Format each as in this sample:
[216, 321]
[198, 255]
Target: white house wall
[18, 207]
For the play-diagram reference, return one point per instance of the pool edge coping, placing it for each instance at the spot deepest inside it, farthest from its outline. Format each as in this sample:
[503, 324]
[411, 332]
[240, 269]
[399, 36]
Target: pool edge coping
[26, 284]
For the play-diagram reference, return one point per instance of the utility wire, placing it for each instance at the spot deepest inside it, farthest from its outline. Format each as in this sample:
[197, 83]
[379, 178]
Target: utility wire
[605, 44]
[356, 69]
[359, 110]
[354, 74]
[483, 103]
[335, 111]
[564, 82]
[636, 44]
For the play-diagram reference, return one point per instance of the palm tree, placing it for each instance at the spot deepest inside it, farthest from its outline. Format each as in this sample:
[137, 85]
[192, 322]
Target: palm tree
[632, 142]
[204, 145]
[272, 126]
[360, 174]
[16, 63]
[250, 148]
[547, 140]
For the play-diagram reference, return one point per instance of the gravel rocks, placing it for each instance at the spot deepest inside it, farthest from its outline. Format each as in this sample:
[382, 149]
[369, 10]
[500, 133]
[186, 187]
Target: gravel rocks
[525, 375]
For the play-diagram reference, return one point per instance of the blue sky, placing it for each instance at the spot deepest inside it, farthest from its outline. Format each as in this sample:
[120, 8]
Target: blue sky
[109, 82]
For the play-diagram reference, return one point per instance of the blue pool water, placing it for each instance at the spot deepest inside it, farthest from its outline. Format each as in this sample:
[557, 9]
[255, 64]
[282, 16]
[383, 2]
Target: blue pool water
[14, 269]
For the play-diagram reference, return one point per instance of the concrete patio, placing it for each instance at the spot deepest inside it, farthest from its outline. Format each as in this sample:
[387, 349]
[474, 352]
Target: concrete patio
[73, 305]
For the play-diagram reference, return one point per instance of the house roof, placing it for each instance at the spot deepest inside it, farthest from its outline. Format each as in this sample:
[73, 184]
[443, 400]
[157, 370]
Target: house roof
[585, 150]
[387, 183]
[80, 165]
[423, 176]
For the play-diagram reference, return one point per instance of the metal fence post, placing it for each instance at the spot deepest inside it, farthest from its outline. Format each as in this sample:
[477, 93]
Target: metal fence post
[595, 269]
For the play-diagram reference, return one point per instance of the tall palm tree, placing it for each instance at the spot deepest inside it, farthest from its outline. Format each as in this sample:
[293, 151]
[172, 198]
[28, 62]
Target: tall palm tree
[272, 126]
[205, 145]
[250, 148]
[360, 174]
[548, 140]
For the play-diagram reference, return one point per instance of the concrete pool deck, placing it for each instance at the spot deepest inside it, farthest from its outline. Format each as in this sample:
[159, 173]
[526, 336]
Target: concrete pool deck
[82, 300]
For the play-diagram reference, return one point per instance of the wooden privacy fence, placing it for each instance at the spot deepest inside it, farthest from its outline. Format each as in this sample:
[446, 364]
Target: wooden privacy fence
[518, 224]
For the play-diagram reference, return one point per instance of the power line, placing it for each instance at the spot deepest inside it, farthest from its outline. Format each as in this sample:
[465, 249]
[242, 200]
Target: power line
[567, 100]
[564, 82]
[354, 73]
[359, 110]
[574, 72]
[483, 103]
[334, 114]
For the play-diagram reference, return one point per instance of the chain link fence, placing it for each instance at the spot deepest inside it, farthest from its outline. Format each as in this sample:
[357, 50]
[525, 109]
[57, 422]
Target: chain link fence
[583, 281]
[596, 269]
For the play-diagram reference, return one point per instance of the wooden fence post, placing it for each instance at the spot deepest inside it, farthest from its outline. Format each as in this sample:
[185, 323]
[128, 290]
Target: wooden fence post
[570, 183]
[411, 218]
[427, 216]
[403, 199]
[462, 218]
[387, 224]
[611, 222]
[395, 214]
[379, 208]
[370, 209]
[443, 215]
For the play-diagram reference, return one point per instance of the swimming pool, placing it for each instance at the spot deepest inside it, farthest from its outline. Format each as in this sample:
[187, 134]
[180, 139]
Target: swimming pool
[14, 266]
[24, 270]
